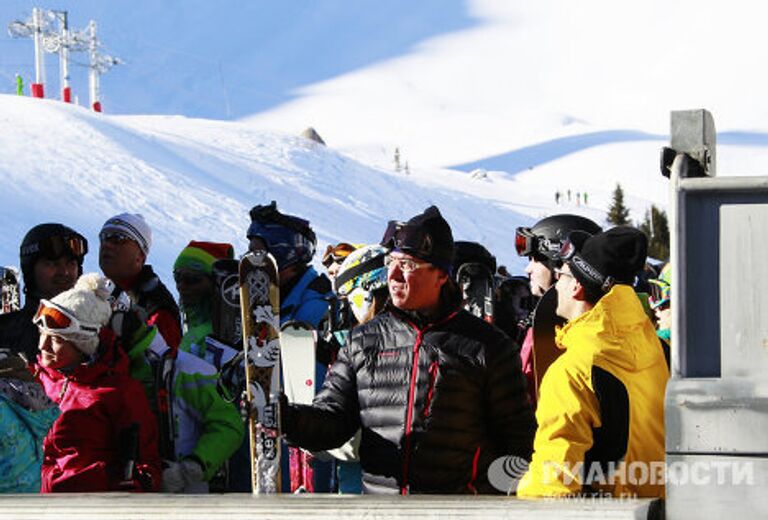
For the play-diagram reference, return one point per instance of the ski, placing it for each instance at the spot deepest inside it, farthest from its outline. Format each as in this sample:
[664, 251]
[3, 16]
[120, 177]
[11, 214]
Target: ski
[545, 352]
[9, 290]
[297, 353]
[260, 308]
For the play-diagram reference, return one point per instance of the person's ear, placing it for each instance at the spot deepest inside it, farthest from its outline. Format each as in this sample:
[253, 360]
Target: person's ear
[442, 277]
[577, 291]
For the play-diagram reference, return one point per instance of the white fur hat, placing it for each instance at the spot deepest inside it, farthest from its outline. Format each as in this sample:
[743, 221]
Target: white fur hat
[133, 225]
[88, 302]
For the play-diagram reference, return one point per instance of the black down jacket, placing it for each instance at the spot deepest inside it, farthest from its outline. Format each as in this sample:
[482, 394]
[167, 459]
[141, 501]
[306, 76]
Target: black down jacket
[437, 404]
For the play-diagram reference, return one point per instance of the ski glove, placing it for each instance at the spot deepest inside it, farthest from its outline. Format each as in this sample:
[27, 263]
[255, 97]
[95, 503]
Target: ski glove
[178, 475]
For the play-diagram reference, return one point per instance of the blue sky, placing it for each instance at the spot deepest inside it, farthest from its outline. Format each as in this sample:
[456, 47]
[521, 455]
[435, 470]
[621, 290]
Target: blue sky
[227, 59]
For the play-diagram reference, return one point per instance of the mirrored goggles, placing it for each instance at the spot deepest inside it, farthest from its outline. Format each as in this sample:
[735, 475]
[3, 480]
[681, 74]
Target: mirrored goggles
[526, 243]
[408, 238]
[336, 254]
[53, 319]
[56, 246]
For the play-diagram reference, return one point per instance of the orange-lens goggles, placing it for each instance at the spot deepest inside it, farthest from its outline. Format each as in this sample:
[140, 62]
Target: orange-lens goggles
[337, 253]
[54, 319]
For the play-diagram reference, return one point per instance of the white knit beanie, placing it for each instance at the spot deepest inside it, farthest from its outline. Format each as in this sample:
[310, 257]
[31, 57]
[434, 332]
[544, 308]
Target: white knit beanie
[133, 225]
[88, 302]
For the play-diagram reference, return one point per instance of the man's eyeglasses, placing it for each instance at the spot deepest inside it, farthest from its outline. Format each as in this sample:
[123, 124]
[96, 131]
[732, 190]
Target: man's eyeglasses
[560, 273]
[114, 237]
[187, 278]
[407, 237]
[406, 265]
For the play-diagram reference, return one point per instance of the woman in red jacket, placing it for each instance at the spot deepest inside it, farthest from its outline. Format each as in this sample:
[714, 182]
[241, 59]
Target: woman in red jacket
[105, 438]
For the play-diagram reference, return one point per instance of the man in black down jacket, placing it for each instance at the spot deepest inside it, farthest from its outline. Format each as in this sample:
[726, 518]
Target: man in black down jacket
[438, 393]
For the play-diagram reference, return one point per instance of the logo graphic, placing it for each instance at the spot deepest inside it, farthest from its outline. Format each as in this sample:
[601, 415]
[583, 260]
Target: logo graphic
[505, 473]
[230, 290]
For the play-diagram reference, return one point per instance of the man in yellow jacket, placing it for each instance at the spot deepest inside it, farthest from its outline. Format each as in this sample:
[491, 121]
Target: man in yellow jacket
[601, 407]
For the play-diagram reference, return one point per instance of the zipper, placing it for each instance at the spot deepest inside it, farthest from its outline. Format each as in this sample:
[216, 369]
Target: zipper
[64, 388]
[433, 367]
[411, 397]
[409, 414]
[471, 483]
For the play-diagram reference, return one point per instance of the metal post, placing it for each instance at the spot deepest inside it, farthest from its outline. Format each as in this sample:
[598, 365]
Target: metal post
[93, 72]
[692, 132]
[37, 27]
[66, 90]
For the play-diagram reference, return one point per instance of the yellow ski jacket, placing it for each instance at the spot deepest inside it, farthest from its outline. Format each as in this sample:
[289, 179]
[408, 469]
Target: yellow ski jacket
[601, 407]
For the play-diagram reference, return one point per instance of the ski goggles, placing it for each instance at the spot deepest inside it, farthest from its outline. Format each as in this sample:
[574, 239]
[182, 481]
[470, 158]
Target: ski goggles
[527, 243]
[336, 254]
[408, 238]
[56, 246]
[659, 293]
[54, 319]
[569, 253]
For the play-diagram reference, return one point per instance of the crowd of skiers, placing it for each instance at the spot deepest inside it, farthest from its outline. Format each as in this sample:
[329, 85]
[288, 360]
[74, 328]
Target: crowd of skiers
[432, 363]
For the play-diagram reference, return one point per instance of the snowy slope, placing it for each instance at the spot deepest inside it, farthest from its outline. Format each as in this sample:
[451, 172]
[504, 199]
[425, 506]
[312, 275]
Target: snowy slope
[196, 179]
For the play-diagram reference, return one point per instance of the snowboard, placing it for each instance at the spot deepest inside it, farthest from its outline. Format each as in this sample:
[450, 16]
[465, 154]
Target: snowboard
[260, 309]
[227, 322]
[9, 290]
[545, 352]
[477, 285]
[297, 353]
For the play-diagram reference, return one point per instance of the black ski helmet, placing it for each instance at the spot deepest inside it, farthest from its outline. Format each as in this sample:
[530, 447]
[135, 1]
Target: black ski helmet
[473, 253]
[289, 239]
[548, 234]
[52, 241]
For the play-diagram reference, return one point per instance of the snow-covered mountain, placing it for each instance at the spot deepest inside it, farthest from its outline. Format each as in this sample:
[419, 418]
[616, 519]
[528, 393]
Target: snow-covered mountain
[494, 105]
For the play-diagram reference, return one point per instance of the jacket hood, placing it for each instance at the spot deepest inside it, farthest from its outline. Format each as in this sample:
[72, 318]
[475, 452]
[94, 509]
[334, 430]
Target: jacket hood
[608, 329]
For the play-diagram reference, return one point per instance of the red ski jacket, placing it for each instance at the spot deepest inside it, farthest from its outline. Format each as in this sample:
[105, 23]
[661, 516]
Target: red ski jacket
[88, 447]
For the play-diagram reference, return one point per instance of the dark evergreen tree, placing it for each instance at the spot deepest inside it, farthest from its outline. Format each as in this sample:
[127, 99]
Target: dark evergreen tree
[618, 213]
[656, 228]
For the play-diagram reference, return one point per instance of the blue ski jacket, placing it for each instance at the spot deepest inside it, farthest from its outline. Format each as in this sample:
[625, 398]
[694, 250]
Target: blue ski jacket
[308, 300]
[26, 414]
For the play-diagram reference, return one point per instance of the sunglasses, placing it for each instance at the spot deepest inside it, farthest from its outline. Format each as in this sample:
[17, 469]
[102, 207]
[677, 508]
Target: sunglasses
[56, 246]
[114, 237]
[187, 278]
[336, 254]
[407, 237]
[53, 319]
